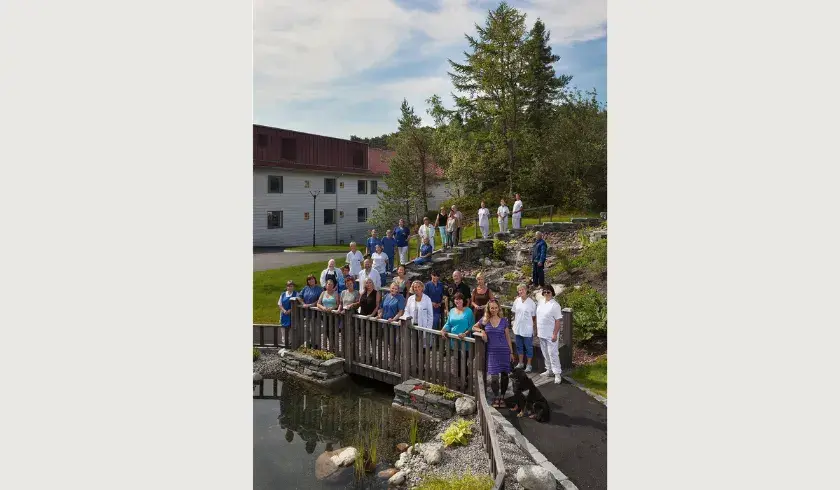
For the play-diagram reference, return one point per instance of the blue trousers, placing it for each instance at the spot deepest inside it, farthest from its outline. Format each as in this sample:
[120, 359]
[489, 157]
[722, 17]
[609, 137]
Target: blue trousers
[538, 274]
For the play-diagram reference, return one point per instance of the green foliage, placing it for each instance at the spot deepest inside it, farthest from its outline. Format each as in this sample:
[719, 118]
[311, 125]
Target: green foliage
[316, 353]
[529, 236]
[256, 353]
[594, 256]
[589, 310]
[412, 431]
[527, 270]
[442, 391]
[465, 481]
[359, 462]
[376, 141]
[458, 433]
[367, 448]
[511, 276]
[593, 376]
[499, 249]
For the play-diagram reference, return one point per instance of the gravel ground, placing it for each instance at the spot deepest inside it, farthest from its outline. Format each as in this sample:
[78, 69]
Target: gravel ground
[268, 365]
[514, 457]
[456, 460]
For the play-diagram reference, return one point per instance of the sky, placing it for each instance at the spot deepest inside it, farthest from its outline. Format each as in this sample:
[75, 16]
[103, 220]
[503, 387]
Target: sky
[342, 67]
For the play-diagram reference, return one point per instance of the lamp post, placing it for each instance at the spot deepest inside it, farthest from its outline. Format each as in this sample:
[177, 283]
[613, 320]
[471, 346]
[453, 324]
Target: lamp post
[314, 197]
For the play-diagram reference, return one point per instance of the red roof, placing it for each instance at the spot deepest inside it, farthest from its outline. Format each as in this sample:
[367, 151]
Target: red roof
[379, 161]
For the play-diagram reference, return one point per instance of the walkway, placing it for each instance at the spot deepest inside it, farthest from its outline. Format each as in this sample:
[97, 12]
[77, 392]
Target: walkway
[267, 260]
[575, 439]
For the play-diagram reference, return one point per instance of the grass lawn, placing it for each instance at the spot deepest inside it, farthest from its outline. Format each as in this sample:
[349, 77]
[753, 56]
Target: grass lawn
[593, 376]
[269, 285]
[469, 232]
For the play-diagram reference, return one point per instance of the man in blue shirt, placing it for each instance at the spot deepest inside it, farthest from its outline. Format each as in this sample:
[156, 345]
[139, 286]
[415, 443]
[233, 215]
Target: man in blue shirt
[389, 246]
[371, 243]
[538, 253]
[434, 289]
[401, 233]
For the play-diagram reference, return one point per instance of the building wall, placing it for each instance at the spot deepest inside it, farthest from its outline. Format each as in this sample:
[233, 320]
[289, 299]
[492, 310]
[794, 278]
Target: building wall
[295, 201]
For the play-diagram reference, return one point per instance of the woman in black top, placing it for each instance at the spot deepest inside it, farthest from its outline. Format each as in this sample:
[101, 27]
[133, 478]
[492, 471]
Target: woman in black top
[440, 224]
[369, 300]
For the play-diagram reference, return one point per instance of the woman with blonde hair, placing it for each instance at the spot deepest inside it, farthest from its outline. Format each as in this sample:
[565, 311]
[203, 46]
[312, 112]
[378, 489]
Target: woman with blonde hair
[493, 328]
[480, 296]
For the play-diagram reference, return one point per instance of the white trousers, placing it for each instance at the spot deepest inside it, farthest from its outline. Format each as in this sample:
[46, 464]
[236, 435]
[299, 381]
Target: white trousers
[485, 229]
[517, 221]
[403, 255]
[551, 354]
[503, 225]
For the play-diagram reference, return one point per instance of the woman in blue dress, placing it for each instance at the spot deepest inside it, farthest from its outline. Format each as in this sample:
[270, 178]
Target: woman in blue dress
[494, 329]
[285, 306]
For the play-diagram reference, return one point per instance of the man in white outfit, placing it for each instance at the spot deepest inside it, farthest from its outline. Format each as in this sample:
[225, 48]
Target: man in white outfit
[503, 212]
[370, 273]
[517, 212]
[549, 318]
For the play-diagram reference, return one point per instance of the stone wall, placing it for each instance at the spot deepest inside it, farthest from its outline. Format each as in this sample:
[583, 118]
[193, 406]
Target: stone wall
[408, 395]
[313, 369]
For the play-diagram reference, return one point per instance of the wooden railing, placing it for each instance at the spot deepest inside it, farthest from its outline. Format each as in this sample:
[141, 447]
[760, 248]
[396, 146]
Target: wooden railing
[388, 351]
[486, 422]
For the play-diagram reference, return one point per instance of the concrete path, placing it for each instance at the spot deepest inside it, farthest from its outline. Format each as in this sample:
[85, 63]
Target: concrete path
[264, 261]
[575, 439]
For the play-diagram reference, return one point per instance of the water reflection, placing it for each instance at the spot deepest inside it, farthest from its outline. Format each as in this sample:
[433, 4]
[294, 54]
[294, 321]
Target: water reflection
[290, 415]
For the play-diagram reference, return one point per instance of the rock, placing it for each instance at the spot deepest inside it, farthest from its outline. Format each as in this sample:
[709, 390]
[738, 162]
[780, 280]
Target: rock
[464, 406]
[257, 377]
[535, 477]
[345, 458]
[282, 352]
[404, 458]
[432, 453]
[401, 447]
[386, 474]
[397, 479]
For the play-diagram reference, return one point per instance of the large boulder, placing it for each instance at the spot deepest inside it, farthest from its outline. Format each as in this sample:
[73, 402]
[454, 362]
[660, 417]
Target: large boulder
[386, 474]
[535, 477]
[345, 457]
[397, 479]
[464, 406]
[432, 453]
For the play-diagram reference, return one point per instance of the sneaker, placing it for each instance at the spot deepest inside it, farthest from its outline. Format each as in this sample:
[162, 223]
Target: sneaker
[547, 373]
[528, 368]
[557, 379]
[519, 366]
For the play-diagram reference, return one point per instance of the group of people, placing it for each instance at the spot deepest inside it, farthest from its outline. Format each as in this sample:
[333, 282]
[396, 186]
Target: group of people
[502, 215]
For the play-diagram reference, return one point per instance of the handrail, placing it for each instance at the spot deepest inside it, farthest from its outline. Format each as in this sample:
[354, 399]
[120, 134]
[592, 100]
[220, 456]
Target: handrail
[488, 430]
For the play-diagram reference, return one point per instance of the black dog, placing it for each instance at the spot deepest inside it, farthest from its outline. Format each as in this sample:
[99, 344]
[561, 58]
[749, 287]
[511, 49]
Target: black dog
[539, 408]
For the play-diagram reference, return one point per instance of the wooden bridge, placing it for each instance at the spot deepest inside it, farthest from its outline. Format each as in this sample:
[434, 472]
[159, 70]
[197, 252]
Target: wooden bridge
[394, 352]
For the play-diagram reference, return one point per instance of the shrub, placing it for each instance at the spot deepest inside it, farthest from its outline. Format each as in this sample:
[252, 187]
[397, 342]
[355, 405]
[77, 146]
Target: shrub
[316, 353]
[510, 276]
[458, 433]
[529, 236]
[589, 312]
[526, 271]
[256, 353]
[442, 391]
[466, 481]
[594, 256]
[499, 249]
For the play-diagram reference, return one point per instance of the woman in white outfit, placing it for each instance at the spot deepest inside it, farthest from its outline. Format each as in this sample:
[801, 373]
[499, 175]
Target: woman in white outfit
[517, 212]
[549, 318]
[419, 308]
[484, 220]
[427, 231]
[503, 212]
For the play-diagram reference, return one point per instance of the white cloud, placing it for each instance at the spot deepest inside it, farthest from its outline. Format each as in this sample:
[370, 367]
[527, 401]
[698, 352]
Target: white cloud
[320, 49]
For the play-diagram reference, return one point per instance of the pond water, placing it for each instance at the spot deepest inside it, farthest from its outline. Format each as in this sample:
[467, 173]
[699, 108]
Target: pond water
[297, 425]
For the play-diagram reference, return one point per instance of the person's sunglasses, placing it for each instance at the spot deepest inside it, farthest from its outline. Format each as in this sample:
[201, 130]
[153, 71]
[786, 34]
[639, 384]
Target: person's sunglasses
[546, 292]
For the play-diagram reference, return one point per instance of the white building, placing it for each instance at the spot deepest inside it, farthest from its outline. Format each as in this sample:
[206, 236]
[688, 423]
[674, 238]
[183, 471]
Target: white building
[289, 167]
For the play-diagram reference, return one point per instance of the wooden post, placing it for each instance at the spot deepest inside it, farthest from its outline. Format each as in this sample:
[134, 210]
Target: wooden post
[566, 336]
[348, 340]
[403, 341]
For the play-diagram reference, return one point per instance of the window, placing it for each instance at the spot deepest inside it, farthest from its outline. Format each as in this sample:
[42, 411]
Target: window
[262, 140]
[358, 159]
[275, 184]
[374, 186]
[275, 219]
[329, 216]
[362, 187]
[329, 186]
[288, 149]
[362, 214]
